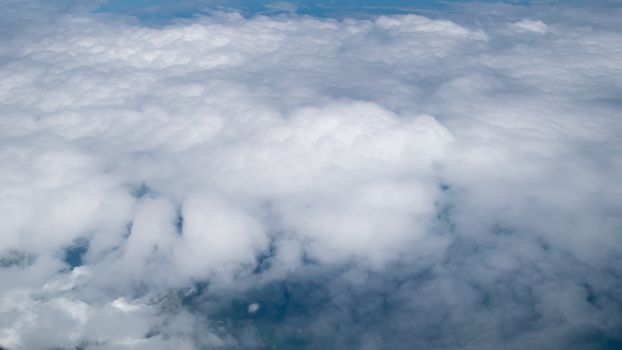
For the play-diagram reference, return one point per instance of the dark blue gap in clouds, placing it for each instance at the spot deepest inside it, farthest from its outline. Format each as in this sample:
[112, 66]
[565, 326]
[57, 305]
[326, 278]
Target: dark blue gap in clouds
[318, 310]
[74, 254]
[159, 11]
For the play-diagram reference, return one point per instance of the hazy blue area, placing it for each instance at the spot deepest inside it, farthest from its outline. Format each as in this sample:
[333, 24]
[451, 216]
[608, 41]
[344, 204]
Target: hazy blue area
[162, 10]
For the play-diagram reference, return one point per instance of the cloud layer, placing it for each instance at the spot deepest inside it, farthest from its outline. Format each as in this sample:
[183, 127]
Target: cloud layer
[289, 181]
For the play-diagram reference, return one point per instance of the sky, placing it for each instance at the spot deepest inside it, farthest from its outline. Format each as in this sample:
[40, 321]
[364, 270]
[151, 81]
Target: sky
[166, 10]
[310, 175]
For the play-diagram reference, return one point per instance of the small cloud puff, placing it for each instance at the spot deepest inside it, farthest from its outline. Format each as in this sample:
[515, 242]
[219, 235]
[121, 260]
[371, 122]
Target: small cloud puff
[530, 26]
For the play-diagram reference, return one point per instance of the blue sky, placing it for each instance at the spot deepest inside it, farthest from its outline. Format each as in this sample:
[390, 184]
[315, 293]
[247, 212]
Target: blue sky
[165, 11]
[162, 10]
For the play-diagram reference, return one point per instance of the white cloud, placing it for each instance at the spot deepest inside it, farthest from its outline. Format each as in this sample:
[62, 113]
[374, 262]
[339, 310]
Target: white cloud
[527, 25]
[239, 151]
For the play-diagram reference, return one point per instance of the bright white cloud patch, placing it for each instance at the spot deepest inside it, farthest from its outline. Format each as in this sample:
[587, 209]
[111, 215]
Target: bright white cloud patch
[467, 173]
[527, 25]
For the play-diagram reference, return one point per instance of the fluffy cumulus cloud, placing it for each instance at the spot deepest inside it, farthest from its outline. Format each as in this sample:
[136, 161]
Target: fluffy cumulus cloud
[390, 182]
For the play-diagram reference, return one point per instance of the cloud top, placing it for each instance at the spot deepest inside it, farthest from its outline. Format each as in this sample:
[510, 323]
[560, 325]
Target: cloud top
[231, 182]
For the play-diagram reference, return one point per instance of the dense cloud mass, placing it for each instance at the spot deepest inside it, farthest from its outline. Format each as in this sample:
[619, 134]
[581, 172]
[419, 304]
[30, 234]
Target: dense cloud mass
[276, 182]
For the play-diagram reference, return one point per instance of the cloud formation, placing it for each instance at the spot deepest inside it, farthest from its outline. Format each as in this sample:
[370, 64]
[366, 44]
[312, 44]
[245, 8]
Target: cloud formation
[290, 181]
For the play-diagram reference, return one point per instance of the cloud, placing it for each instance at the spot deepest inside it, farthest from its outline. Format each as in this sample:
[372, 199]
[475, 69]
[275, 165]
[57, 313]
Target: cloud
[526, 25]
[290, 181]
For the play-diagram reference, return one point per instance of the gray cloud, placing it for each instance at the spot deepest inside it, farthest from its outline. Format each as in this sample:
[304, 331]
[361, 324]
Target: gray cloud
[396, 182]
